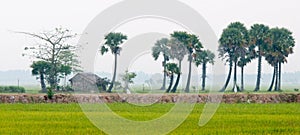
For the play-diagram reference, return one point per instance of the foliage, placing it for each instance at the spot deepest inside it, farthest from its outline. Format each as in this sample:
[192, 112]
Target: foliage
[127, 78]
[41, 69]
[205, 56]
[102, 83]
[12, 89]
[50, 93]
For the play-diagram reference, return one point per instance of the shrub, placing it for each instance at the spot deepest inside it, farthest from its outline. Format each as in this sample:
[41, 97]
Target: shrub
[12, 89]
[50, 93]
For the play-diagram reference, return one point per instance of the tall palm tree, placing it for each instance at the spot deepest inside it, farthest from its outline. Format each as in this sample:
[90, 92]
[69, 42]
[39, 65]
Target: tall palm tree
[161, 48]
[192, 43]
[204, 57]
[171, 68]
[258, 35]
[41, 68]
[113, 42]
[177, 51]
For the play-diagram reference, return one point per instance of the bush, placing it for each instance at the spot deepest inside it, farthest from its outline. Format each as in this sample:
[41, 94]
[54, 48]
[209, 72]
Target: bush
[12, 89]
[50, 93]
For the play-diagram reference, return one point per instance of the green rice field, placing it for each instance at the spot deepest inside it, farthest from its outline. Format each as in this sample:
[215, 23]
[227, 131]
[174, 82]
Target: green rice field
[230, 119]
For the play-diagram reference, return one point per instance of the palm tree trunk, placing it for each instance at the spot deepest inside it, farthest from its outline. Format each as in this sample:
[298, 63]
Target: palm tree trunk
[235, 86]
[279, 77]
[203, 75]
[43, 85]
[187, 88]
[257, 88]
[114, 76]
[228, 77]
[163, 87]
[276, 78]
[273, 78]
[242, 78]
[178, 79]
[176, 84]
[171, 83]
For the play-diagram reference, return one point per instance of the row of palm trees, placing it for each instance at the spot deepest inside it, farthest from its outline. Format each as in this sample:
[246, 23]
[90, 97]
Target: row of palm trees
[238, 46]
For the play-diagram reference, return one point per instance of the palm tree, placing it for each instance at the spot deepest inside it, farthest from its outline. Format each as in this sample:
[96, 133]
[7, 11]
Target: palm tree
[113, 42]
[192, 43]
[177, 51]
[204, 57]
[282, 43]
[171, 68]
[41, 68]
[160, 48]
[258, 35]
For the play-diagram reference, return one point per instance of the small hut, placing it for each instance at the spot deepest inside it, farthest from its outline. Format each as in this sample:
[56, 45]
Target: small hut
[84, 82]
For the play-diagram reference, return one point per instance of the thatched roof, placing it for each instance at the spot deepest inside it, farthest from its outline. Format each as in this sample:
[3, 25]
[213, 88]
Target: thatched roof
[91, 77]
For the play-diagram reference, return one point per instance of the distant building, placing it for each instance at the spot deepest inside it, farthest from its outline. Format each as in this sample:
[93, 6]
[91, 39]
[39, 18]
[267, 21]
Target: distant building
[84, 83]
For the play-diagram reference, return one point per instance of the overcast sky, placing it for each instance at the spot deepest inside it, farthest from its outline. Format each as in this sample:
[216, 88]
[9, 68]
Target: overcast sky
[39, 15]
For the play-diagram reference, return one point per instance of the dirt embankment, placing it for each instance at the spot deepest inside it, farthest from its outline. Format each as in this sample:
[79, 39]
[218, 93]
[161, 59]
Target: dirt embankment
[152, 98]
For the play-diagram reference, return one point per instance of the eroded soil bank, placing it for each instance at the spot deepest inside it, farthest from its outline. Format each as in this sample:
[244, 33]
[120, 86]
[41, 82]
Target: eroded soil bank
[151, 98]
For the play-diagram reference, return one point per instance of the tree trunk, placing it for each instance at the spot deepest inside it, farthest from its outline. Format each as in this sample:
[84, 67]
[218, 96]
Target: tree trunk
[257, 88]
[272, 82]
[203, 75]
[235, 86]
[177, 80]
[276, 78]
[171, 83]
[114, 76]
[187, 88]
[279, 77]
[43, 85]
[176, 84]
[228, 77]
[242, 78]
[163, 87]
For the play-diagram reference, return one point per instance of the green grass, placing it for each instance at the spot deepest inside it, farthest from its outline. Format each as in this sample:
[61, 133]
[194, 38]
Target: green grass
[229, 119]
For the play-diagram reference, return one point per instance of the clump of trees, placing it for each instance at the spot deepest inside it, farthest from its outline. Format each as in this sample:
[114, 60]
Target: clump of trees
[239, 46]
[53, 56]
[179, 45]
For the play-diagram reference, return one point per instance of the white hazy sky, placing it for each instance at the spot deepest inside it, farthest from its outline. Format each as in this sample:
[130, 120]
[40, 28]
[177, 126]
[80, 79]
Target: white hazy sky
[39, 15]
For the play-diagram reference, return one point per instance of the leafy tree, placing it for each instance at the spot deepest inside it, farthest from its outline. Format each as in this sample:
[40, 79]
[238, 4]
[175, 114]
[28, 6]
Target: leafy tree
[113, 42]
[232, 43]
[258, 43]
[127, 78]
[50, 49]
[191, 43]
[69, 64]
[160, 48]
[41, 68]
[171, 68]
[102, 83]
[280, 47]
[204, 57]
[177, 51]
